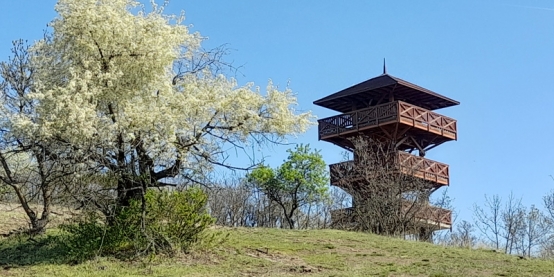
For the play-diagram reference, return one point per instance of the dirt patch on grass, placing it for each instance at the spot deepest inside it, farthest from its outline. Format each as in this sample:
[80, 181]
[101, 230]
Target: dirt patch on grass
[285, 262]
[13, 217]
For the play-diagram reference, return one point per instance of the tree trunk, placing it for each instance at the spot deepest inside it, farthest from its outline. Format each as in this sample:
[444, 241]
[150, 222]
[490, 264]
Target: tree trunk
[425, 234]
[127, 191]
[37, 225]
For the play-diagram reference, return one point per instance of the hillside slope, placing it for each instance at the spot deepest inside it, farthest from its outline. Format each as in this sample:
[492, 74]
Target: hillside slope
[275, 252]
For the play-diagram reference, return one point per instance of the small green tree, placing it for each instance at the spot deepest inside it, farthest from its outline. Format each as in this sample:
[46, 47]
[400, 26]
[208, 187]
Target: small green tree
[302, 179]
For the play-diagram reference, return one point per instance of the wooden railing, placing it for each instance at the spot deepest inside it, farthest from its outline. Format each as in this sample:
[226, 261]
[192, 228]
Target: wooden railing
[423, 168]
[428, 214]
[434, 215]
[427, 120]
[397, 111]
[372, 116]
[405, 162]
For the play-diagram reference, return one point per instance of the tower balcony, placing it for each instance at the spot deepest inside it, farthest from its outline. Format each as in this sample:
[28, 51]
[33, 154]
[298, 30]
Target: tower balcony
[392, 119]
[429, 216]
[345, 175]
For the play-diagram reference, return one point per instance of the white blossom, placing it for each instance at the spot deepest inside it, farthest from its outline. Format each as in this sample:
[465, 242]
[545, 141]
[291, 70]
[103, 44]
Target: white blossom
[108, 73]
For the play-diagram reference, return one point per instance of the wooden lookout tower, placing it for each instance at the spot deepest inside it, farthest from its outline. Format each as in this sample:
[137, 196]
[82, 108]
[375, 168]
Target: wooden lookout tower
[389, 109]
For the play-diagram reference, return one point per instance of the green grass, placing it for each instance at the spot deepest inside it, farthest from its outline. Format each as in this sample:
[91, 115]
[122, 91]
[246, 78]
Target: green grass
[267, 252]
[275, 252]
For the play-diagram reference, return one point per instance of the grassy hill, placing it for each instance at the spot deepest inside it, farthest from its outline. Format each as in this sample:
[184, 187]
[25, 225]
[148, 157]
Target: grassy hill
[268, 252]
[274, 252]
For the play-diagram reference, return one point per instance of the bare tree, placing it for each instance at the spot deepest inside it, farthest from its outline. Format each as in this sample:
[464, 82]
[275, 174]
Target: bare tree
[464, 235]
[548, 201]
[340, 200]
[515, 229]
[488, 220]
[512, 222]
[503, 225]
[230, 204]
[534, 229]
[33, 168]
[388, 196]
[234, 203]
[547, 244]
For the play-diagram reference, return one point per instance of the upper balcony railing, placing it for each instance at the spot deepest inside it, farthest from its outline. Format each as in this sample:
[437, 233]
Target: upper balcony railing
[396, 111]
[407, 163]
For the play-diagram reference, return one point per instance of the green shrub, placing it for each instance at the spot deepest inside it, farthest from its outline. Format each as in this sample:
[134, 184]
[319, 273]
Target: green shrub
[173, 222]
[90, 236]
[176, 220]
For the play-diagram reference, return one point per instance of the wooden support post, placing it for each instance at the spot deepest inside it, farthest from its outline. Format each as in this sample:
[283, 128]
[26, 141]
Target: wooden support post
[421, 150]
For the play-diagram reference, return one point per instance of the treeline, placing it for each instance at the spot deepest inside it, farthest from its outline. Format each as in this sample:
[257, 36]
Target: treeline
[236, 204]
[506, 225]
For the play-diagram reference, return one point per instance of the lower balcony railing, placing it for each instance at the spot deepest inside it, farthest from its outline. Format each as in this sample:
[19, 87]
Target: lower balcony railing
[404, 162]
[429, 215]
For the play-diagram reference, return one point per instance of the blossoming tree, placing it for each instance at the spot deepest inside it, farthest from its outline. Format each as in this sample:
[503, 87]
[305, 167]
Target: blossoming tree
[31, 168]
[135, 97]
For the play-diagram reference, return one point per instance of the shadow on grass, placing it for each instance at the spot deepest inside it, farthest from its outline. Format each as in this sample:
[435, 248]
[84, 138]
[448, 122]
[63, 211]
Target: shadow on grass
[52, 249]
[22, 251]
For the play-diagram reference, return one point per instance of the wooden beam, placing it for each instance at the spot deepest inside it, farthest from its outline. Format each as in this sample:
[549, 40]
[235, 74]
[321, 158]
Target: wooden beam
[396, 130]
[406, 129]
[402, 141]
[421, 150]
[432, 142]
[381, 99]
[386, 133]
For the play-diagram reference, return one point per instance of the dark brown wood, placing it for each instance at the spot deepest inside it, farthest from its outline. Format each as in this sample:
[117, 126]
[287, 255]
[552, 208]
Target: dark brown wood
[435, 172]
[384, 114]
[391, 110]
[429, 215]
[394, 120]
[381, 86]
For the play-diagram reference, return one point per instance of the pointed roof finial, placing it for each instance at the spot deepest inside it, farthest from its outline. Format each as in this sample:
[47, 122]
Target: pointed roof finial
[384, 66]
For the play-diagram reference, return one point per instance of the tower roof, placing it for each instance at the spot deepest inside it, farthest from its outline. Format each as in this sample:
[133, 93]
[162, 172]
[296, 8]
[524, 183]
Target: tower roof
[369, 92]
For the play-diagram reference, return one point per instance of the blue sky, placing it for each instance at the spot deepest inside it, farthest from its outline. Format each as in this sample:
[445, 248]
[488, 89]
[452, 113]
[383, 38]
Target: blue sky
[495, 57]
